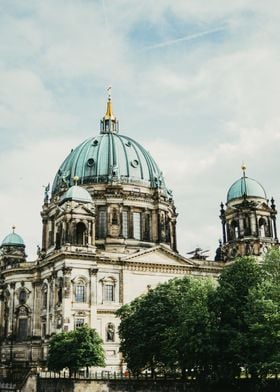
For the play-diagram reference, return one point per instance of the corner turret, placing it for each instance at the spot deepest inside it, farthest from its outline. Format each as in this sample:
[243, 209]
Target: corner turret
[12, 250]
[248, 221]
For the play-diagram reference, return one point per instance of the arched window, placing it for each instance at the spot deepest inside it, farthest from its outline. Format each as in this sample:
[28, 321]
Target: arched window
[234, 230]
[80, 233]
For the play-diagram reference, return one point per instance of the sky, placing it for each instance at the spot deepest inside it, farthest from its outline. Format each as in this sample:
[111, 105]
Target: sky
[196, 82]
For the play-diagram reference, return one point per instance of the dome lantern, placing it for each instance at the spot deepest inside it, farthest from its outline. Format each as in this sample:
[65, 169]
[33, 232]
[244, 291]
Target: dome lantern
[109, 123]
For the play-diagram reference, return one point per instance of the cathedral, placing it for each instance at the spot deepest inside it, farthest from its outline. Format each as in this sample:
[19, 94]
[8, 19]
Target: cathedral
[108, 236]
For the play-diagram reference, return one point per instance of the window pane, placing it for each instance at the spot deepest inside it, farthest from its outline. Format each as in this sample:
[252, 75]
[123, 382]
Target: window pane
[136, 225]
[102, 227]
[124, 224]
[109, 292]
[80, 293]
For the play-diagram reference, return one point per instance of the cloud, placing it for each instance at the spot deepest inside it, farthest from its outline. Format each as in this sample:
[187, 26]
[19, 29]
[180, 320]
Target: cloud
[27, 169]
[201, 106]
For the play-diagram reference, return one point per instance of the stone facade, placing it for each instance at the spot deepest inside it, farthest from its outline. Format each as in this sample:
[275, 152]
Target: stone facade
[108, 235]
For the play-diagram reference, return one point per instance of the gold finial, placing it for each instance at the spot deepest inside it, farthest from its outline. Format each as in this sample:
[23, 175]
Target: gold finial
[109, 112]
[13, 227]
[76, 179]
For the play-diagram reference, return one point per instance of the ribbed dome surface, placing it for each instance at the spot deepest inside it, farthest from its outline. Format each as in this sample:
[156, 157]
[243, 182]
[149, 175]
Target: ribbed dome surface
[13, 239]
[109, 157]
[247, 186]
[76, 193]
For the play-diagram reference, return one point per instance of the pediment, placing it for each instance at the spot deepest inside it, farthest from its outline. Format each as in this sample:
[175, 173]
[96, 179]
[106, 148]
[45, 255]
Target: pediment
[159, 255]
[79, 209]
[82, 209]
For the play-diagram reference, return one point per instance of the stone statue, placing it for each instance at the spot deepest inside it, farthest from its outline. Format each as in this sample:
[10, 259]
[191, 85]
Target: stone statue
[110, 333]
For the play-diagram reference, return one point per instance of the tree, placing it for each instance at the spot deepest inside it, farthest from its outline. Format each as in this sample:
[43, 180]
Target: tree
[263, 335]
[168, 328]
[230, 304]
[75, 350]
[263, 319]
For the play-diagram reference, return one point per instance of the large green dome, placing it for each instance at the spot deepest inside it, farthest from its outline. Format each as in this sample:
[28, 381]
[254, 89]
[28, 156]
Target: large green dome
[109, 157]
[246, 186]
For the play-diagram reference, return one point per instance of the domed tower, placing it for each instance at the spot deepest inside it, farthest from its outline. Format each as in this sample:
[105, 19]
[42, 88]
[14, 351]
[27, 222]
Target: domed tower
[12, 250]
[248, 221]
[127, 205]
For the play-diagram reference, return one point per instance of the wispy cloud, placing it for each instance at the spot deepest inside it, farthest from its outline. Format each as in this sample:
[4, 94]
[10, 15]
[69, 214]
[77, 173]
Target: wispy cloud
[190, 37]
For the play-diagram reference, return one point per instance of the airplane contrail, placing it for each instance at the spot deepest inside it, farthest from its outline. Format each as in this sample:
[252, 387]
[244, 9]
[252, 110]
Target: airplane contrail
[186, 38]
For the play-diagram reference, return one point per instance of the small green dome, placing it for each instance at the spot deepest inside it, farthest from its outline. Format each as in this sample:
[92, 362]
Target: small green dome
[109, 157]
[76, 193]
[246, 186]
[13, 239]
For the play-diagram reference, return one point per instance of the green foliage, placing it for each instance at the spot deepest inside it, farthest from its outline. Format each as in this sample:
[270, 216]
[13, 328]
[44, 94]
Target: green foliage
[215, 330]
[75, 350]
[230, 305]
[246, 305]
[168, 327]
[263, 319]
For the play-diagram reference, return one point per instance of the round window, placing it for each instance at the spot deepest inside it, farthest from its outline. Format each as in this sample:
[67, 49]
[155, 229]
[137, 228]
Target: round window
[90, 162]
[95, 142]
[134, 163]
